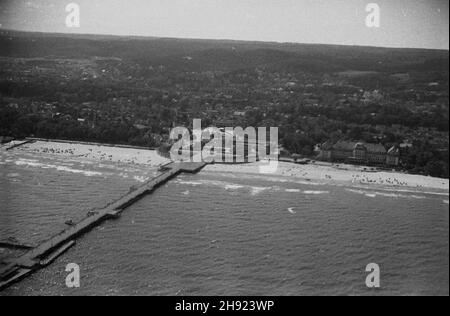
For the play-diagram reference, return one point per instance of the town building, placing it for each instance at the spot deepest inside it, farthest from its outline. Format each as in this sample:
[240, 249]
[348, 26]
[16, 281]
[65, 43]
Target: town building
[359, 153]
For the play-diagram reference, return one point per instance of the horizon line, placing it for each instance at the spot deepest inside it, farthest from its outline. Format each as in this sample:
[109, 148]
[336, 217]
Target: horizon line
[222, 39]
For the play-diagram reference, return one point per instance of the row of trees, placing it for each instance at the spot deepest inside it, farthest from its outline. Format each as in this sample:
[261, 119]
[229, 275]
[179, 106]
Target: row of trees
[12, 123]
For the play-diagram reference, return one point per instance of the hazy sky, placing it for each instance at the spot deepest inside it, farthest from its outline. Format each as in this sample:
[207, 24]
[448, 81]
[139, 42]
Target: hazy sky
[404, 23]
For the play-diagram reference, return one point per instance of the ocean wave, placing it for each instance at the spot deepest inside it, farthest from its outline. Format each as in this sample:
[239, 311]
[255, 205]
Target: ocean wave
[258, 190]
[68, 164]
[267, 178]
[356, 191]
[77, 171]
[254, 190]
[436, 193]
[124, 175]
[29, 160]
[394, 195]
[30, 163]
[293, 190]
[141, 179]
[418, 197]
[192, 183]
[316, 192]
[398, 190]
[233, 186]
[375, 194]
[217, 183]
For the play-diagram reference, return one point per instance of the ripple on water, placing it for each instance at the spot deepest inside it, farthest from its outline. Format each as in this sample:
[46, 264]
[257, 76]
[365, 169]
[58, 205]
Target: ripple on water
[208, 235]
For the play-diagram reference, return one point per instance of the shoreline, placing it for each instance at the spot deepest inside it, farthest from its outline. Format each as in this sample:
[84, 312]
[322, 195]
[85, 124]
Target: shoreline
[94, 152]
[88, 143]
[323, 172]
[327, 173]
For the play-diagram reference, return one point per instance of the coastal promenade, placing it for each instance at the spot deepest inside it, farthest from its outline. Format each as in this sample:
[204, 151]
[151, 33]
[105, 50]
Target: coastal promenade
[45, 253]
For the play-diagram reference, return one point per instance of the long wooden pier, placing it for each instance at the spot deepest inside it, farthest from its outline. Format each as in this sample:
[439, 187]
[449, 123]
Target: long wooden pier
[15, 269]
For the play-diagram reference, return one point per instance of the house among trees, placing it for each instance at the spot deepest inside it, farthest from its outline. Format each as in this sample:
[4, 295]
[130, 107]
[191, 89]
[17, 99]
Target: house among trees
[359, 153]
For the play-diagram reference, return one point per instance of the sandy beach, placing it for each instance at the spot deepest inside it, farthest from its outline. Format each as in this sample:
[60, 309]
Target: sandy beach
[328, 173]
[321, 172]
[96, 153]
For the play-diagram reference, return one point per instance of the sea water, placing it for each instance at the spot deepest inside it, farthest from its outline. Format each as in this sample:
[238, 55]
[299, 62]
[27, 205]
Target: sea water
[222, 233]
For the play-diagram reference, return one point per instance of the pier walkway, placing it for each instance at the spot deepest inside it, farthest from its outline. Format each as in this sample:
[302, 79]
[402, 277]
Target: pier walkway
[45, 253]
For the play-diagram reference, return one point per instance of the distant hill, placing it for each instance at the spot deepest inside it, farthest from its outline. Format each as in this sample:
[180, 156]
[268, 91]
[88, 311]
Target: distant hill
[227, 55]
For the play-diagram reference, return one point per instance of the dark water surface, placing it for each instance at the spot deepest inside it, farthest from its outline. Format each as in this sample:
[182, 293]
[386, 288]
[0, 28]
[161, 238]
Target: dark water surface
[225, 234]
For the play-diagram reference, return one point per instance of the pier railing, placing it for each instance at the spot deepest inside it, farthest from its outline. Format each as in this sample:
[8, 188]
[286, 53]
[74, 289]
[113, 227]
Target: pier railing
[15, 269]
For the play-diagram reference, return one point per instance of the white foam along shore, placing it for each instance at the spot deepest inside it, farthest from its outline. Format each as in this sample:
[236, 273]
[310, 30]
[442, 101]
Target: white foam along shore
[96, 152]
[323, 172]
[329, 173]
